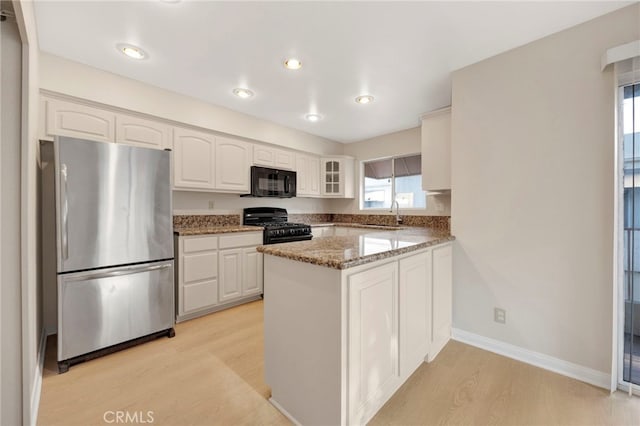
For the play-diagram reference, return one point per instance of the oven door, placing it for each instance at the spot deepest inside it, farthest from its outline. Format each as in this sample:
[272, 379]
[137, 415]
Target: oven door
[266, 182]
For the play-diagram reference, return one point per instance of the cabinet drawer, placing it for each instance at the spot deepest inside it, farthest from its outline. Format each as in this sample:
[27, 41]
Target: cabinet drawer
[200, 295]
[200, 266]
[241, 240]
[200, 244]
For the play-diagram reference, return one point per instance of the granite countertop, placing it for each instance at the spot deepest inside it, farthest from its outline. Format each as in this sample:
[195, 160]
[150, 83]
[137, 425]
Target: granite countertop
[359, 225]
[354, 250]
[224, 229]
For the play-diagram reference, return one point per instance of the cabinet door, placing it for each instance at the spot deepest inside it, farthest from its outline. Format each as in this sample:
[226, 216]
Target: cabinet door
[141, 132]
[78, 121]
[436, 150]
[307, 175]
[193, 159]
[442, 299]
[415, 311]
[252, 271]
[313, 176]
[263, 156]
[198, 295]
[331, 177]
[373, 339]
[284, 160]
[232, 165]
[230, 266]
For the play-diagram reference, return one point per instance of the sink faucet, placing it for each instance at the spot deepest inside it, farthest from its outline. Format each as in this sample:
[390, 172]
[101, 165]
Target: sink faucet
[398, 217]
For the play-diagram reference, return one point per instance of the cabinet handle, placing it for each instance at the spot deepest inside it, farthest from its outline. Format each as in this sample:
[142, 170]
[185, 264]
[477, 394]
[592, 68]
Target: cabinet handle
[64, 213]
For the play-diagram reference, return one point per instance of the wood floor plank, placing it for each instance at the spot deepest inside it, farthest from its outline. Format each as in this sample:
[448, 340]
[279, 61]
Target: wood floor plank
[212, 373]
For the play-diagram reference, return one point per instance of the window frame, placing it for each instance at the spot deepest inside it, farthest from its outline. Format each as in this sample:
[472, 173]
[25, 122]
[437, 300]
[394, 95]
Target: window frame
[362, 209]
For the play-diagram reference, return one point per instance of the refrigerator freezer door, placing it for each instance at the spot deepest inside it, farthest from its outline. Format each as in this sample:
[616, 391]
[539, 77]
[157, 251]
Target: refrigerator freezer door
[114, 204]
[98, 309]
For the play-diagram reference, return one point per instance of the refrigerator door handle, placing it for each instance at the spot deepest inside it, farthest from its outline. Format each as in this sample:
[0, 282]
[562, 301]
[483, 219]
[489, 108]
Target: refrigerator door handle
[124, 271]
[65, 212]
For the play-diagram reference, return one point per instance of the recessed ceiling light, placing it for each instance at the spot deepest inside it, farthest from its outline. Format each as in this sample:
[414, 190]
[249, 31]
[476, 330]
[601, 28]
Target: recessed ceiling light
[293, 64]
[364, 99]
[242, 93]
[313, 117]
[132, 51]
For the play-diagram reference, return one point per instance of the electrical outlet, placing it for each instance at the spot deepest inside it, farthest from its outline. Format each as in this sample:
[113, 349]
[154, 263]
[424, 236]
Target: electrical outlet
[500, 315]
[211, 204]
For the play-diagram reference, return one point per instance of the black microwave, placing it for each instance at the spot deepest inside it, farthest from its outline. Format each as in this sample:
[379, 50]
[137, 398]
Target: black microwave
[266, 182]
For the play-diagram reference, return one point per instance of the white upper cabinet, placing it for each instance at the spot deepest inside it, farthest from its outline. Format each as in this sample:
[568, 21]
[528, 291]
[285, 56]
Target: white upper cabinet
[193, 159]
[263, 156]
[232, 167]
[337, 177]
[285, 160]
[64, 118]
[142, 132]
[436, 150]
[273, 157]
[307, 176]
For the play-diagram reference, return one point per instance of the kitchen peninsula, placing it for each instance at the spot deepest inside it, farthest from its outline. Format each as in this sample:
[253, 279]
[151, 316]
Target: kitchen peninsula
[349, 318]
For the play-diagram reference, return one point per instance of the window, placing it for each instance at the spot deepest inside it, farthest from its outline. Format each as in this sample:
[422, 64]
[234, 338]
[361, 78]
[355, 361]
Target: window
[630, 114]
[389, 179]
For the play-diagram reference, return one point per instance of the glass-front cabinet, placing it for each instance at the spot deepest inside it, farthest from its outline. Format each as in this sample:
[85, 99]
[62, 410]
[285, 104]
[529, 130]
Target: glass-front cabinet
[332, 181]
[337, 177]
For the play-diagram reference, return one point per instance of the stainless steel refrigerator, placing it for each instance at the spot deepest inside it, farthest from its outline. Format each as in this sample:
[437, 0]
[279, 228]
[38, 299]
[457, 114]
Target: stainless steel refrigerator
[113, 235]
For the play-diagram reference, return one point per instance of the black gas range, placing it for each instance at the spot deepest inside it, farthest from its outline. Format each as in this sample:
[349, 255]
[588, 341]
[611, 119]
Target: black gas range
[277, 229]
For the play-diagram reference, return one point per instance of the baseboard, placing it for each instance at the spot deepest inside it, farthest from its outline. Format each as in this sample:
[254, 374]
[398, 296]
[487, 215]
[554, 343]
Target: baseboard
[217, 308]
[435, 349]
[284, 412]
[624, 387]
[566, 368]
[37, 379]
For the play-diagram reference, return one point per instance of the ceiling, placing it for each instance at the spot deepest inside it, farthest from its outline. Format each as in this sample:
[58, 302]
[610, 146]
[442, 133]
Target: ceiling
[402, 53]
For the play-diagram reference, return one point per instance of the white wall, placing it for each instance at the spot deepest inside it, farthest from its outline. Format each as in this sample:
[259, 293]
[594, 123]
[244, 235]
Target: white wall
[32, 328]
[392, 144]
[533, 192]
[111, 89]
[187, 202]
[10, 290]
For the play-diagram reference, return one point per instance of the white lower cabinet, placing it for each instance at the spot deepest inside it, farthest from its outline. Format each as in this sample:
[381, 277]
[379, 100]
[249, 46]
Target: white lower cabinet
[415, 311]
[373, 340]
[364, 330]
[442, 304]
[230, 274]
[217, 271]
[252, 271]
[196, 274]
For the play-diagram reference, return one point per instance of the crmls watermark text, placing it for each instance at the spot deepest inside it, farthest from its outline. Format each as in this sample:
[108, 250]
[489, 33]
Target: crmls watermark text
[124, 417]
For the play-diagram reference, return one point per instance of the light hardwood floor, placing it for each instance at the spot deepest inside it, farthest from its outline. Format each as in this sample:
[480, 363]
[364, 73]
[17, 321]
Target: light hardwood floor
[211, 373]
